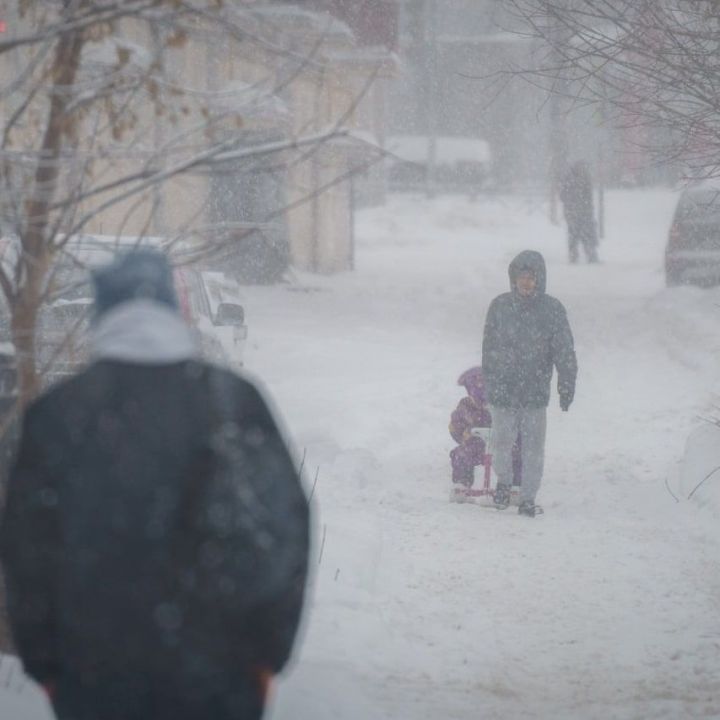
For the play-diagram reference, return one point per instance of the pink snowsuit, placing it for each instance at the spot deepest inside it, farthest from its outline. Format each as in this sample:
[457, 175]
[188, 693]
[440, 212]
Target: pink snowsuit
[472, 412]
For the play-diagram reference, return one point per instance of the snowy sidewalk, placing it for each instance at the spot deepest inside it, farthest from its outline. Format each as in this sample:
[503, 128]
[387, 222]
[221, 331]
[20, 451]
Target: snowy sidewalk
[607, 606]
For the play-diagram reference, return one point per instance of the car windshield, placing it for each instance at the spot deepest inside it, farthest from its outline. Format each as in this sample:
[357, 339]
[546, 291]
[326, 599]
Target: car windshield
[701, 202]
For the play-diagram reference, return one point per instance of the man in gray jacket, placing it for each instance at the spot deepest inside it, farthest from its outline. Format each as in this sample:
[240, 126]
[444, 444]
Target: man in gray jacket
[526, 334]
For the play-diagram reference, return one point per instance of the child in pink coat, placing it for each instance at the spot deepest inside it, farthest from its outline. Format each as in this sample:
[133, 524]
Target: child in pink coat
[472, 413]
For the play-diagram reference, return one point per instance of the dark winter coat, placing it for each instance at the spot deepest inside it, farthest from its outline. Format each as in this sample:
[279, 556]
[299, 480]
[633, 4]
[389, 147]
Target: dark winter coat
[132, 586]
[576, 195]
[525, 337]
[471, 412]
[468, 415]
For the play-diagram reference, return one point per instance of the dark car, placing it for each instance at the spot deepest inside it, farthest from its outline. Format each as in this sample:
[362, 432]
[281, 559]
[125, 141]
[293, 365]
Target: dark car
[692, 255]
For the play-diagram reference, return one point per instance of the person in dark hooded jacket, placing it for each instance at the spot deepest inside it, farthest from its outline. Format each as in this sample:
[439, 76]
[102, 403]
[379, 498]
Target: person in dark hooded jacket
[155, 534]
[576, 195]
[527, 335]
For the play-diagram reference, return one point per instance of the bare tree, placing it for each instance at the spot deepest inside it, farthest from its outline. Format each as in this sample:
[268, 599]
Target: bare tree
[106, 106]
[115, 116]
[645, 64]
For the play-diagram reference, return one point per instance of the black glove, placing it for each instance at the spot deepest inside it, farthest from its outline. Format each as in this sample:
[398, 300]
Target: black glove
[565, 400]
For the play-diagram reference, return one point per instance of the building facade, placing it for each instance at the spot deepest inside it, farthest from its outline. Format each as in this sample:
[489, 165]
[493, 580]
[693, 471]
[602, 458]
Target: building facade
[294, 71]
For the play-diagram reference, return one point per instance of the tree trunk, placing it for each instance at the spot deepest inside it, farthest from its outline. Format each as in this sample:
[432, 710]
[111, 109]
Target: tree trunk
[36, 244]
[24, 321]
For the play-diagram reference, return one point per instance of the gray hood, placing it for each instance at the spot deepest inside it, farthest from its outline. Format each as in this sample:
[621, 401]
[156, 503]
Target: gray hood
[145, 332]
[533, 261]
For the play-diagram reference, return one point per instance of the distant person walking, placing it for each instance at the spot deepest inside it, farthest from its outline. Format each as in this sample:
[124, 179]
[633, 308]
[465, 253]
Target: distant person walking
[155, 536]
[527, 334]
[576, 195]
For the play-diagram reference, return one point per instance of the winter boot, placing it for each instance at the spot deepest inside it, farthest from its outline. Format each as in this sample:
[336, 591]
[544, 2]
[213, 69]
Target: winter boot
[502, 496]
[529, 509]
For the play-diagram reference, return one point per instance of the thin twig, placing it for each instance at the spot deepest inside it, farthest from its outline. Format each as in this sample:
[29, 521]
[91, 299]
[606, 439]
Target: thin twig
[322, 544]
[708, 476]
[312, 492]
[667, 485]
[302, 462]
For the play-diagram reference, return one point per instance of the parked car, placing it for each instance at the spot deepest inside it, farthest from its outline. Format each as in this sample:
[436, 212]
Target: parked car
[461, 164]
[62, 336]
[692, 255]
[210, 302]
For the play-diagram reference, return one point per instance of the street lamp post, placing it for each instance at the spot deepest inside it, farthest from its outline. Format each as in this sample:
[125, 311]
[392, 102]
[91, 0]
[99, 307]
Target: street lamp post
[431, 38]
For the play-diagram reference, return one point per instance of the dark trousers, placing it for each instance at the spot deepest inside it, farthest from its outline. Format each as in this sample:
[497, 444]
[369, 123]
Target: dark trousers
[581, 232]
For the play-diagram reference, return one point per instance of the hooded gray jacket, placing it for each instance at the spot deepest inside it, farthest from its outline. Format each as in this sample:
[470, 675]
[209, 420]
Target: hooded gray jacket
[524, 338]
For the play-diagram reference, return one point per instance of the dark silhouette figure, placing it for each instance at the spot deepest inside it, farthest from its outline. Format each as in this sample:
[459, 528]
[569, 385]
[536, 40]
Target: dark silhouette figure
[576, 195]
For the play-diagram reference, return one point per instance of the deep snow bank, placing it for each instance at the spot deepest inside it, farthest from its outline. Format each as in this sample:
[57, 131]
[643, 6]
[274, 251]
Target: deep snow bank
[698, 474]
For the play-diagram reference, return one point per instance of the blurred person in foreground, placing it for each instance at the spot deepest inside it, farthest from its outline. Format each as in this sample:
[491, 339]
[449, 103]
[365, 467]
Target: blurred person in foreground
[155, 536]
[527, 334]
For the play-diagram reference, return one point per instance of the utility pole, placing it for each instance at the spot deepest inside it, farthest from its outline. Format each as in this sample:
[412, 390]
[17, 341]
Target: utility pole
[558, 118]
[432, 93]
[414, 15]
[602, 165]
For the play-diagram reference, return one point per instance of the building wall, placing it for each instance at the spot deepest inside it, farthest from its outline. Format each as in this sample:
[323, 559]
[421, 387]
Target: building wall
[454, 92]
[373, 22]
[474, 43]
[343, 90]
[318, 95]
[319, 195]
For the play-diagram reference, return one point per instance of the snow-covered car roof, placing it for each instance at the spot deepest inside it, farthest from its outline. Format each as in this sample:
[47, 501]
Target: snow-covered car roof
[302, 19]
[449, 150]
[64, 302]
[113, 51]
[7, 349]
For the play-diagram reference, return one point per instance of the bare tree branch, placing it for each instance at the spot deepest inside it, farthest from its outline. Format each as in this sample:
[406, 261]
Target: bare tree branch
[99, 126]
[651, 64]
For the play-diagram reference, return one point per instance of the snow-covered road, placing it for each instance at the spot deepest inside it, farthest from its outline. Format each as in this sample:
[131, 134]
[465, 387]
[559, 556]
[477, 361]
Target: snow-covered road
[605, 607]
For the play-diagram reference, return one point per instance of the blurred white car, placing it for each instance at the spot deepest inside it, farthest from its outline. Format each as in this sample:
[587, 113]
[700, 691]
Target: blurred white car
[211, 302]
